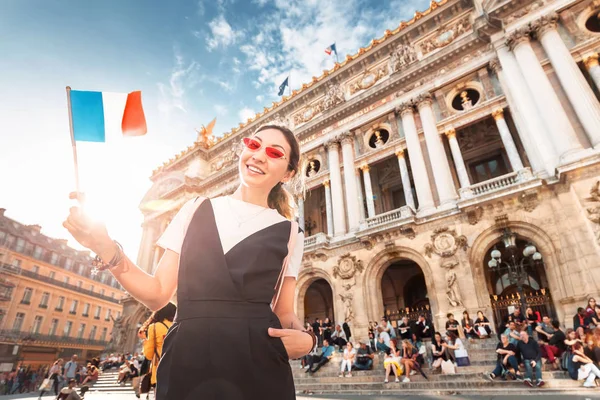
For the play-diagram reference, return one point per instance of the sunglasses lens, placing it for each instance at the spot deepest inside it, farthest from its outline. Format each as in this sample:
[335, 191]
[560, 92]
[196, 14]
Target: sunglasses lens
[273, 153]
[251, 144]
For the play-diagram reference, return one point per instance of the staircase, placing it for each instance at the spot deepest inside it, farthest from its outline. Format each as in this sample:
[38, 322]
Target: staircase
[468, 380]
[107, 384]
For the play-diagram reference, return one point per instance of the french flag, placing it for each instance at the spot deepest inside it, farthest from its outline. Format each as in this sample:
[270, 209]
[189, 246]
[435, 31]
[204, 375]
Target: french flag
[331, 49]
[95, 113]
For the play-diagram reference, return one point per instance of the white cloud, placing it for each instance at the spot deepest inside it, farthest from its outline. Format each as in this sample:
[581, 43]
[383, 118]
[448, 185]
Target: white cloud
[222, 34]
[260, 98]
[200, 7]
[226, 86]
[184, 76]
[260, 3]
[220, 109]
[292, 40]
[246, 113]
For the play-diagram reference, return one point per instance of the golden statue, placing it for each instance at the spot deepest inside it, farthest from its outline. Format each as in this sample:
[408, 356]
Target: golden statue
[378, 141]
[205, 136]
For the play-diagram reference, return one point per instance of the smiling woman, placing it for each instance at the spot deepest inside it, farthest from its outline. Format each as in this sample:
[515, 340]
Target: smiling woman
[233, 261]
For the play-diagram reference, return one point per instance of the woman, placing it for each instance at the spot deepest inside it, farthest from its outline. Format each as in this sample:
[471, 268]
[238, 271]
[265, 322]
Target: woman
[157, 330]
[349, 356]
[590, 309]
[227, 259]
[53, 375]
[438, 348]
[468, 327]
[392, 361]
[532, 320]
[482, 326]
[457, 350]
[409, 359]
[92, 375]
[582, 367]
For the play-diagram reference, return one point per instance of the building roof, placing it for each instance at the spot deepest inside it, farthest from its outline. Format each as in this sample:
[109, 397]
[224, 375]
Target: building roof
[348, 60]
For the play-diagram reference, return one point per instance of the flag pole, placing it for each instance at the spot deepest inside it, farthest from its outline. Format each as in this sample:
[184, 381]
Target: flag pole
[289, 85]
[73, 143]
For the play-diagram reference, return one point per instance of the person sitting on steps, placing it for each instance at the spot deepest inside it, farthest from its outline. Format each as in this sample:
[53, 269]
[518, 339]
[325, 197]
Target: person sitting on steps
[322, 359]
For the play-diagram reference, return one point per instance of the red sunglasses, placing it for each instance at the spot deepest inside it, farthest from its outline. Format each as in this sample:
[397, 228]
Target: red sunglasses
[271, 152]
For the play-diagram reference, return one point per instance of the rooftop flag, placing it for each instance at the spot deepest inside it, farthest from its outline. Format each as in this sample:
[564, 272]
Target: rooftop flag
[331, 49]
[282, 86]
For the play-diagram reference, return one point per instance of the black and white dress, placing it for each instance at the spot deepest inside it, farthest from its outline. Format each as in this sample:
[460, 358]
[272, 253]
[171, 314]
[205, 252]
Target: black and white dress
[231, 255]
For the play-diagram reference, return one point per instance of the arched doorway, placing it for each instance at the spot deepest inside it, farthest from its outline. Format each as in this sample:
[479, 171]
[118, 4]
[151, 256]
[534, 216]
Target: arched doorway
[404, 291]
[318, 301]
[526, 280]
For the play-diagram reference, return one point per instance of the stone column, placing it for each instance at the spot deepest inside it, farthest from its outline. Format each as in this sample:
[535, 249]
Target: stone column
[406, 187]
[507, 140]
[361, 200]
[368, 191]
[301, 212]
[417, 162]
[561, 131]
[337, 197]
[328, 210]
[574, 84]
[439, 160]
[524, 102]
[352, 207]
[535, 159]
[459, 162]
[591, 64]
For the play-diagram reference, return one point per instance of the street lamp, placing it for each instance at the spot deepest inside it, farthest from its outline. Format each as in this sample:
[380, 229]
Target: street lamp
[517, 275]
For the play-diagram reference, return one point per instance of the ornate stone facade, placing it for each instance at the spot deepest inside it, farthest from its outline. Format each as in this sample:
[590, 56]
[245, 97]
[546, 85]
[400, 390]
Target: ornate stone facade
[409, 226]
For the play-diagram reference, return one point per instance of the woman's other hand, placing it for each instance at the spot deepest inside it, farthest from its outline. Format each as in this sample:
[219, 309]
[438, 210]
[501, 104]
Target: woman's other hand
[297, 343]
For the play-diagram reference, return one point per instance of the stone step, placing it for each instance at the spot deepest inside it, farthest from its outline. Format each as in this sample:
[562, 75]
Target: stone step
[448, 385]
[510, 391]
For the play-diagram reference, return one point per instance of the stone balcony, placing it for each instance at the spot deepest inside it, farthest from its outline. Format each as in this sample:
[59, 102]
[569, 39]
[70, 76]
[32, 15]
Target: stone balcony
[508, 184]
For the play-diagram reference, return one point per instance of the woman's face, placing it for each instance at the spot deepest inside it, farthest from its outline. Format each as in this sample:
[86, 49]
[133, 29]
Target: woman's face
[438, 337]
[480, 314]
[259, 171]
[529, 310]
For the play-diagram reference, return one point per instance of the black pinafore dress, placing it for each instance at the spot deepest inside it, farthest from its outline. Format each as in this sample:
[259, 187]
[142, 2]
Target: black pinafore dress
[218, 346]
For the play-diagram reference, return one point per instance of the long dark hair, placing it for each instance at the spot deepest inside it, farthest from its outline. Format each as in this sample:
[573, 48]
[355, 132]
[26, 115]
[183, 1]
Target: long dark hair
[167, 312]
[279, 198]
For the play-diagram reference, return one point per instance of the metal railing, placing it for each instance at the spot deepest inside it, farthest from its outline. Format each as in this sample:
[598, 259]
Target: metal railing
[23, 272]
[18, 336]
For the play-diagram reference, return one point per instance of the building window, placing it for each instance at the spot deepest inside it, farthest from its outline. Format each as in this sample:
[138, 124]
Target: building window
[52, 274]
[103, 334]
[53, 327]
[61, 303]
[68, 264]
[20, 245]
[67, 330]
[67, 280]
[489, 168]
[81, 269]
[79, 284]
[38, 252]
[16, 263]
[93, 333]
[103, 278]
[86, 309]
[37, 324]
[102, 292]
[36, 269]
[27, 296]
[107, 316]
[92, 288]
[112, 295]
[81, 331]
[118, 314]
[45, 300]
[54, 258]
[97, 312]
[18, 323]
[74, 305]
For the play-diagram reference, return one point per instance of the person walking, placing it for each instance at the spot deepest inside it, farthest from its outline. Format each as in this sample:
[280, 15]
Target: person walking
[233, 262]
[53, 375]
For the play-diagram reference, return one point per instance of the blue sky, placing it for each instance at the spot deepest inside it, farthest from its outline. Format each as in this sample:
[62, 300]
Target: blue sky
[193, 60]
